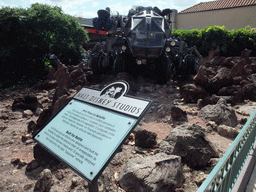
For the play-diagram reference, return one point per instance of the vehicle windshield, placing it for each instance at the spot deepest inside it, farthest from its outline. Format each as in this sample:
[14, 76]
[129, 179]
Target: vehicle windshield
[147, 33]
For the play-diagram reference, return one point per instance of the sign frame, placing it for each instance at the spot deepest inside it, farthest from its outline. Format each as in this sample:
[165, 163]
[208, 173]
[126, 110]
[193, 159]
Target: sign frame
[137, 119]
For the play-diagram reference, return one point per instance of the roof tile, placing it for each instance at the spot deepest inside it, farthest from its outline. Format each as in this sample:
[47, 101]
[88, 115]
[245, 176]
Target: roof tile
[221, 4]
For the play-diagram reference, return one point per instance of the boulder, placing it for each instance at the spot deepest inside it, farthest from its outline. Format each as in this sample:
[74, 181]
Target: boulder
[59, 92]
[214, 52]
[158, 173]
[31, 127]
[145, 139]
[228, 62]
[245, 53]
[32, 166]
[234, 92]
[62, 76]
[44, 182]
[108, 181]
[230, 90]
[26, 102]
[27, 113]
[43, 118]
[177, 114]
[252, 78]
[61, 102]
[241, 69]
[189, 142]
[220, 113]
[161, 110]
[221, 79]
[39, 111]
[191, 93]
[217, 60]
[81, 80]
[200, 78]
[76, 73]
[249, 91]
[253, 67]
[227, 131]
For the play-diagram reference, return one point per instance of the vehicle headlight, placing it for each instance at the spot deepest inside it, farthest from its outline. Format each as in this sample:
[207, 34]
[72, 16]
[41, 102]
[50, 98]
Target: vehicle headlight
[123, 47]
[167, 49]
[173, 43]
[139, 62]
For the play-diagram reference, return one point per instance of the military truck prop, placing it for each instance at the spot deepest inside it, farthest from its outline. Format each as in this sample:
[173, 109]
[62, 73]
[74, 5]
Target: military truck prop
[141, 42]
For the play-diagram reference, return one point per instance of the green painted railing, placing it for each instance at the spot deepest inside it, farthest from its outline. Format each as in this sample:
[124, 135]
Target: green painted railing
[224, 175]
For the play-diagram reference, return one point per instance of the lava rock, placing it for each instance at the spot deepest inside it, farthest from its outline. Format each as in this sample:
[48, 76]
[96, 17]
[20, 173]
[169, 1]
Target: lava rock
[249, 91]
[191, 93]
[27, 113]
[160, 172]
[44, 182]
[26, 102]
[189, 142]
[62, 76]
[145, 139]
[220, 113]
[178, 114]
[32, 165]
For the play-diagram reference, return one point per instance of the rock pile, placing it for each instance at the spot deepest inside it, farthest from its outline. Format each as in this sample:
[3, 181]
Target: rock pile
[223, 77]
[145, 163]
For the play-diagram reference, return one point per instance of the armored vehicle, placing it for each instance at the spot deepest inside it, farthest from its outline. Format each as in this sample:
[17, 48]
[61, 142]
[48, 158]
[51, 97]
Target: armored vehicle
[141, 42]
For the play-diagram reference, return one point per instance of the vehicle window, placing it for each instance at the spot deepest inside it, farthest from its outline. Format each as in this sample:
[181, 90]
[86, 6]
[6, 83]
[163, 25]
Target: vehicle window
[155, 27]
[158, 21]
[142, 26]
[136, 21]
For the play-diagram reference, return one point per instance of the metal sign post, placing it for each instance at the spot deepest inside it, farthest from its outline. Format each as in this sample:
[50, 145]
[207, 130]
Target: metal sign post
[93, 186]
[88, 131]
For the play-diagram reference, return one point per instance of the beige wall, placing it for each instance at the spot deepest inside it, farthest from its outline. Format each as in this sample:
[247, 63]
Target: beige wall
[231, 18]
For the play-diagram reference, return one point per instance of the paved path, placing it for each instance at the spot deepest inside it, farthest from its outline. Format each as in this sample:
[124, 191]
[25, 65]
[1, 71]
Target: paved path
[246, 181]
[251, 187]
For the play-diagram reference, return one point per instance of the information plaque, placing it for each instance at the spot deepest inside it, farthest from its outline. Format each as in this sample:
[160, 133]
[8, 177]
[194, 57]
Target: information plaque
[86, 133]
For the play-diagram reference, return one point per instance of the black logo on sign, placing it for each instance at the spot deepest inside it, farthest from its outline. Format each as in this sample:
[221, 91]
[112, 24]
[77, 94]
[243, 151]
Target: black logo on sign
[115, 90]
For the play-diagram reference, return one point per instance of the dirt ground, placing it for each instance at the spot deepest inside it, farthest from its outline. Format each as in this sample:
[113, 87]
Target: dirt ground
[16, 145]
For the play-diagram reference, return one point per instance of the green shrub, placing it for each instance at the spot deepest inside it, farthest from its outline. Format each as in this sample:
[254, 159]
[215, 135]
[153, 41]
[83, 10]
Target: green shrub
[231, 43]
[27, 38]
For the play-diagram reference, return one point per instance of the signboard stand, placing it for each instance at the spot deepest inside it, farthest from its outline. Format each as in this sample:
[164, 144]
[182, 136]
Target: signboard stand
[88, 131]
[93, 186]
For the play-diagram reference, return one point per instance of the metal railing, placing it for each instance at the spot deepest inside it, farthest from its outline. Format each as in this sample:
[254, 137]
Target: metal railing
[224, 175]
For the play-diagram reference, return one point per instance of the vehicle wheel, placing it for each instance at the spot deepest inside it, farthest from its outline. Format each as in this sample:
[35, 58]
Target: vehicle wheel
[130, 65]
[197, 65]
[110, 61]
[192, 65]
[119, 64]
[164, 70]
[95, 64]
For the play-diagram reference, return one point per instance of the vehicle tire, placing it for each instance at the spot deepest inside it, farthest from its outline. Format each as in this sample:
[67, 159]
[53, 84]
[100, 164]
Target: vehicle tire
[197, 65]
[192, 66]
[164, 70]
[110, 61]
[119, 64]
[130, 65]
[95, 64]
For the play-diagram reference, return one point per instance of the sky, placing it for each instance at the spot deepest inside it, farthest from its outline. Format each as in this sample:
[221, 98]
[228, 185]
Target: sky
[89, 8]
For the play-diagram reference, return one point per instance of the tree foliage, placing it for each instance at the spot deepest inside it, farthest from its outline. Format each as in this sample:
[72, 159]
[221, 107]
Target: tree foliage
[231, 43]
[29, 35]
